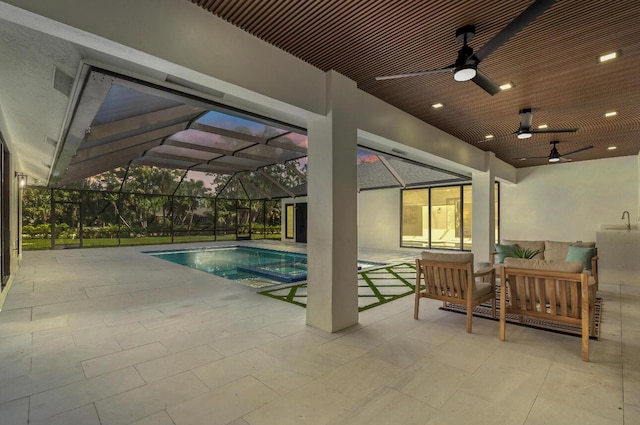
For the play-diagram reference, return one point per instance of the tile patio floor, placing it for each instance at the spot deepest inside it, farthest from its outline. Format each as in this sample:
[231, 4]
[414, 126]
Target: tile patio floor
[114, 336]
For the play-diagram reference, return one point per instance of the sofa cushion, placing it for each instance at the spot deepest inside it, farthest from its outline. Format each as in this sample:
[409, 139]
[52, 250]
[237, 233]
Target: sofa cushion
[504, 251]
[532, 245]
[556, 251]
[582, 254]
[533, 264]
[447, 257]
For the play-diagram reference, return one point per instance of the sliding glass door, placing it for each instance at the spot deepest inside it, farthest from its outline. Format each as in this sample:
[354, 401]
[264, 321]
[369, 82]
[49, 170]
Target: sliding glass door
[440, 217]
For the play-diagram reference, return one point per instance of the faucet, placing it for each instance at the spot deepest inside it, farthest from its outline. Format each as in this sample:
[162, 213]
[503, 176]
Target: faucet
[628, 220]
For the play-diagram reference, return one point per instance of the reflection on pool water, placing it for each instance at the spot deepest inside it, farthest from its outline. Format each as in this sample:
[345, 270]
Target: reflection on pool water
[240, 263]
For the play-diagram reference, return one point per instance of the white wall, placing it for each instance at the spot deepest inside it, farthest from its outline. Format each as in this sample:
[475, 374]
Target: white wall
[379, 219]
[562, 202]
[565, 202]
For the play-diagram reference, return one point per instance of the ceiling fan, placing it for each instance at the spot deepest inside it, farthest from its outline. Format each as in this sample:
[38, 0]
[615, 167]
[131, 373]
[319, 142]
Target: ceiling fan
[554, 155]
[466, 66]
[525, 131]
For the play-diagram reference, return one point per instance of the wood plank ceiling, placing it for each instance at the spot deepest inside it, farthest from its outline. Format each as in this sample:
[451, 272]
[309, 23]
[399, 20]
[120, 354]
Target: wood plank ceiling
[551, 62]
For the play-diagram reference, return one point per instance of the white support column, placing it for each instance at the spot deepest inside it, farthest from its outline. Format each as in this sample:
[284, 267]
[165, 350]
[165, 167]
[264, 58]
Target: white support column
[332, 297]
[483, 198]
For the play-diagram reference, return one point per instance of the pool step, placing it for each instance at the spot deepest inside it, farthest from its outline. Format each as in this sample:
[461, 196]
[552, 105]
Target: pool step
[282, 272]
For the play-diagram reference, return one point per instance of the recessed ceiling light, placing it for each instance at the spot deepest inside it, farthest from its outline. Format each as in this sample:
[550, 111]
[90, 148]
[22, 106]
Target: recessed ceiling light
[611, 114]
[612, 148]
[489, 136]
[541, 126]
[437, 105]
[506, 86]
[609, 56]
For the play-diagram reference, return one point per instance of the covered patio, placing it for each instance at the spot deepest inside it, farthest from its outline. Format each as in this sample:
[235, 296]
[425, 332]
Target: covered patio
[115, 336]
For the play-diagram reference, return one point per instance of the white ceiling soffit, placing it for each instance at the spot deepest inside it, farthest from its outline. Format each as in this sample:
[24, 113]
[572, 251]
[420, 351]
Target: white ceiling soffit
[33, 68]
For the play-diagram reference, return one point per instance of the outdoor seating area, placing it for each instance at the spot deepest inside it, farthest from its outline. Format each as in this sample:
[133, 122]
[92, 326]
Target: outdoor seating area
[544, 289]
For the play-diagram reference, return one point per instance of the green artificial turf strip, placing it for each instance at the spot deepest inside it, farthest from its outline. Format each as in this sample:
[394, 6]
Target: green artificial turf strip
[386, 272]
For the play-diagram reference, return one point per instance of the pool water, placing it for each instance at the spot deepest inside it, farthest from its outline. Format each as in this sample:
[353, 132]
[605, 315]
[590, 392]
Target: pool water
[240, 263]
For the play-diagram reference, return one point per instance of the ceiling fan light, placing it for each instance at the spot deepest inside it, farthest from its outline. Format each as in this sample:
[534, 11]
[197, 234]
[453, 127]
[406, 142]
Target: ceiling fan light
[524, 134]
[554, 155]
[464, 73]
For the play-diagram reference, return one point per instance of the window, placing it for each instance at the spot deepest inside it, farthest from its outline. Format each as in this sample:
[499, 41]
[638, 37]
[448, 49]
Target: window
[445, 217]
[440, 217]
[415, 217]
[290, 223]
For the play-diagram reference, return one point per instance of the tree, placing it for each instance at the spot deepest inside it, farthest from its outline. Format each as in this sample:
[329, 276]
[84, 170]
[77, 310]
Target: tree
[187, 201]
[36, 206]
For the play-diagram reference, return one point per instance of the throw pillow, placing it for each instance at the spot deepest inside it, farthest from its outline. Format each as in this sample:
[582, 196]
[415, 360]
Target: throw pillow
[582, 254]
[504, 251]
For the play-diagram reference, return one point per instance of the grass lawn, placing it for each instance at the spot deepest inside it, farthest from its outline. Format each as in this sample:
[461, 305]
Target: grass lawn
[40, 244]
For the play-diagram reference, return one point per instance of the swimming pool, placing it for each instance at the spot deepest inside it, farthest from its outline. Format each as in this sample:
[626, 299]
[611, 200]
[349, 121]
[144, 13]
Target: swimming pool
[240, 263]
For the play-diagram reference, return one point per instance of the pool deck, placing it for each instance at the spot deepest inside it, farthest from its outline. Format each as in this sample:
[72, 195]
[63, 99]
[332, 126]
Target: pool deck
[113, 336]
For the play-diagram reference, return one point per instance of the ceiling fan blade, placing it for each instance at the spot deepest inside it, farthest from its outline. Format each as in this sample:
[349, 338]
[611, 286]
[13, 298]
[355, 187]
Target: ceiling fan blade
[415, 74]
[553, 130]
[525, 18]
[532, 157]
[577, 150]
[485, 83]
